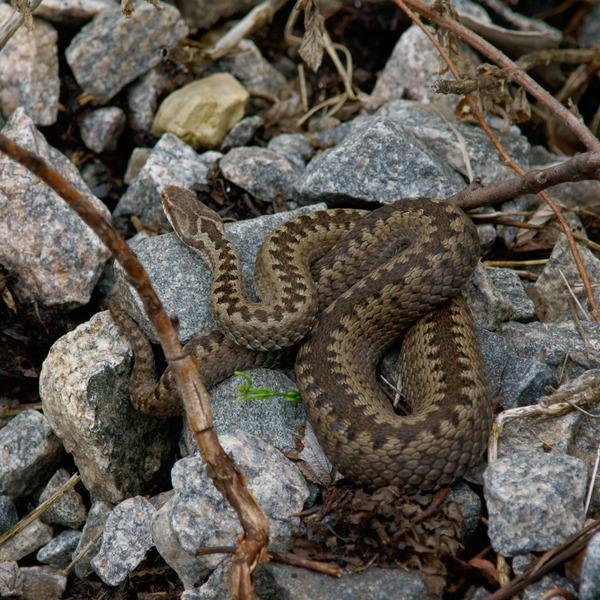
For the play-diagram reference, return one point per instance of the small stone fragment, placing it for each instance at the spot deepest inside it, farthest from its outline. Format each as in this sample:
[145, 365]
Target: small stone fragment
[540, 588]
[242, 133]
[201, 14]
[202, 112]
[69, 511]
[262, 173]
[85, 395]
[100, 129]
[137, 160]
[29, 71]
[28, 540]
[11, 580]
[28, 450]
[589, 588]
[126, 539]
[293, 146]
[535, 500]
[113, 50]
[59, 550]
[43, 582]
[8, 513]
[525, 381]
[72, 11]
[97, 516]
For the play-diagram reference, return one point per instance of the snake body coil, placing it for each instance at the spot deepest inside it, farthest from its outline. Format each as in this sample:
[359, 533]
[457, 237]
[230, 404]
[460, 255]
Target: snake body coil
[378, 277]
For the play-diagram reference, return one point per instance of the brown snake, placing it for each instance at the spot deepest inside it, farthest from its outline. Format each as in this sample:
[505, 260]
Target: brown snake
[382, 276]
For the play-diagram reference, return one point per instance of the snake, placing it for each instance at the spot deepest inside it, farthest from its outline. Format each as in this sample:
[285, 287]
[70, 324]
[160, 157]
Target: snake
[340, 287]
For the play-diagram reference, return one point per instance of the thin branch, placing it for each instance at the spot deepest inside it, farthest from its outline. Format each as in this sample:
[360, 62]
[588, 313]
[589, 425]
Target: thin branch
[196, 400]
[13, 22]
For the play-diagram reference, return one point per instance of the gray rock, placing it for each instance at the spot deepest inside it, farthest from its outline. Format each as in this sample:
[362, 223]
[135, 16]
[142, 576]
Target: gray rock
[589, 587]
[274, 582]
[535, 500]
[469, 506]
[96, 520]
[589, 31]
[558, 345]
[525, 381]
[201, 14]
[29, 71]
[11, 580]
[583, 444]
[69, 511]
[56, 256]
[144, 93]
[84, 386]
[100, 129]
[274, 420]
[183, 281]
[378, 161]
[43, 582]
[137, 160]
[59, 550]
[72, 11]
[293, 146]
[171, 162]
[126, 540]
[497, 295]
[536, 590]
[28, 450]
[8, 513]
[113, 50]
[28, 540]
[553, 291]
[241, 133]
[495, 356]
[198, 516]
[487, 235]
[263, 173]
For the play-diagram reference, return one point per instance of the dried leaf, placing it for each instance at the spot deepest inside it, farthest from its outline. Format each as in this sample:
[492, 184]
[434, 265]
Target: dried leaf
[311, 48]
[315, 460]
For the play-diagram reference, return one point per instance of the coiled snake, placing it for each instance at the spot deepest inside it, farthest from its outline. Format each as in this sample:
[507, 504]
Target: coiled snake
[353, 283]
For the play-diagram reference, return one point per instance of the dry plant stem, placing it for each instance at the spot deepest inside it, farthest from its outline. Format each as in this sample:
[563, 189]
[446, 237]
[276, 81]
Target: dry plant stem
[492, 53]
[558, 55]
[40, 510]
[476, 41]
[219, 467]
[82, 553]
[12, 24]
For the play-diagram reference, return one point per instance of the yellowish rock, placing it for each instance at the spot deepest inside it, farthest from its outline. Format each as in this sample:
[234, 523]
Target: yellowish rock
[202, 112]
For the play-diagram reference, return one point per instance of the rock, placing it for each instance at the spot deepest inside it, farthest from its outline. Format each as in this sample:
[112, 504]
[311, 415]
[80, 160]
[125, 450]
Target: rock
[100, 129]
[497, 295]
[262, 173]
[198, 516]
[293, 146]
[275, 581]
[552, 289]
[137, 160]
[69, 511]
[469, 506]
[144, 93]
[28, 450]
[535, 500]
[201, 14]
[495, 357]
[274, 420]
[84, 386]
[126, 540]
[558, 345]
[202, 112]
[98, 178]
[589, 587]
[28, 540]
[171, 162]
[43, 582]
[55, 255]
[8, 514]
[487, 235]
[96, 520]
[525, 381]
[538, 589]
[72, 11]
[183, 281]
[11, 580]
[59, 550]
[29, 71]
[589, 31]
[378, 161]
[241, 133]
[113, 50]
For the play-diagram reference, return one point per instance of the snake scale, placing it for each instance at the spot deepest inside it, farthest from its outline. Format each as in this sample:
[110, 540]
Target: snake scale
[349, 284]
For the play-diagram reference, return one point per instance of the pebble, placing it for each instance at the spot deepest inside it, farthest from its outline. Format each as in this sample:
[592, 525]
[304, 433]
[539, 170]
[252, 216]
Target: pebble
[29, 71]
[126, 540]
[28, 540]
[263, 173]
[70, 510]
[84, 386]
[293, 146]
[11, 579]
[55, 255]
[539, 588]
[525, 380]
[535, 500]
[113, 50]
[48, 583]
[241, 133]
[137, 160]
[100, 129]
[202, 112]
[59, 550]
[8, 513]
[99, 512]
[72, 12]
[589, 587]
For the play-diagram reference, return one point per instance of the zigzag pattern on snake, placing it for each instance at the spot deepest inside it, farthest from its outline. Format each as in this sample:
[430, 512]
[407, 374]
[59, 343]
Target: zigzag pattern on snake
[354, 283]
